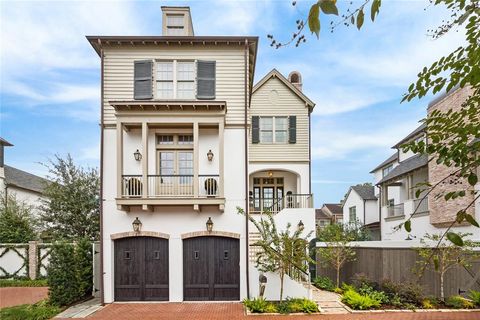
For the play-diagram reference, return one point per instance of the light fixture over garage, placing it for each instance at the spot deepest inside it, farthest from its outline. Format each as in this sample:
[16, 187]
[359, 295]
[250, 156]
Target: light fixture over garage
[209, 224]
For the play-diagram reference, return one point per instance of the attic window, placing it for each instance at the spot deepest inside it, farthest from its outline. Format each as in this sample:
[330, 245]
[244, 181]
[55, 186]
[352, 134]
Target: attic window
[294, 78]
[175, 25]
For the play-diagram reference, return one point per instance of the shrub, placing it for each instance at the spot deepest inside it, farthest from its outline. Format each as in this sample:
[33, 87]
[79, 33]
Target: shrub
[375, 294]
[359, 301]
[324, 283]
[409, 293]
[256, 305]
[338, 290]
[270, 308]
[23, 283]
[458, 302]
[83, 257]
[38, 311]
[301, 305]
[359, 280]
[475, 296]
[429, 304]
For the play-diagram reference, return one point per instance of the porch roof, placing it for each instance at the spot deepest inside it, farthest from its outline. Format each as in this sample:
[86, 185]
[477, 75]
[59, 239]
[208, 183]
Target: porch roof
[168, 105]
[405, 167]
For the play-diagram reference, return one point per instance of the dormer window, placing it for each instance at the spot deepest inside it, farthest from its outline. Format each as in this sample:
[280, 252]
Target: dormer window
[387, 170]
[175, 25]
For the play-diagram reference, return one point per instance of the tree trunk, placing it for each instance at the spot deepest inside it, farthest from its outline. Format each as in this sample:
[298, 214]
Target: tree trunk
[282, 275]
[442, 291]
[338, 277]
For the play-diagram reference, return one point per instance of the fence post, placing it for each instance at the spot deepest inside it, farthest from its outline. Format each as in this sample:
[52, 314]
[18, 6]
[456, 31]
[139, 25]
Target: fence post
[32, 259]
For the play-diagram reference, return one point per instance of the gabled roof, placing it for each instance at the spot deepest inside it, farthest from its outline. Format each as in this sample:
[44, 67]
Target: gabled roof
[334, 208]
[406, 166]
[24, 180]
[320, 214]
[390, 159]
[5, 143]
[365, 192]
[276, 74]
[411, 135]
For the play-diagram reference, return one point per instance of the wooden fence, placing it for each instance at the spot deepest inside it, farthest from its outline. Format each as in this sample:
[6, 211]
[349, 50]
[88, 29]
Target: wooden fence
[396, 264]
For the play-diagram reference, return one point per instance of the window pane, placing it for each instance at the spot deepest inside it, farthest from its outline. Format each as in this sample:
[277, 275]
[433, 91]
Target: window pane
[165, 140]
[185, 139]
[281, 123]
[185, 71]
[280, 136]
[186, 90]
[165, 71]
[266, 136]
[164, 90]
[266, 123]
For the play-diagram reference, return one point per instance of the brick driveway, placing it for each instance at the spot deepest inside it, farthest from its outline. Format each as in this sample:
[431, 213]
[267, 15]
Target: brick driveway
[234, 311]
[14, 296]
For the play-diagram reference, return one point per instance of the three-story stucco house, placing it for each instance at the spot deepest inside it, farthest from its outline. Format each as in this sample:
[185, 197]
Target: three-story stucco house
[186, 138]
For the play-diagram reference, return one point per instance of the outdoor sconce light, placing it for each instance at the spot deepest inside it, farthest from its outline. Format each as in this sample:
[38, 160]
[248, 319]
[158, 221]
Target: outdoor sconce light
[301, 225]
[270, 174]
[137, 155]
[210, 155]
[209, 224]
[137, 225]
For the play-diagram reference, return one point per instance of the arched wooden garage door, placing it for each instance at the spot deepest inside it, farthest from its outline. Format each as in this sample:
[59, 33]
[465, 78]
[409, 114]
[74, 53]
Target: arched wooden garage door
[211, 268]
[141, 269]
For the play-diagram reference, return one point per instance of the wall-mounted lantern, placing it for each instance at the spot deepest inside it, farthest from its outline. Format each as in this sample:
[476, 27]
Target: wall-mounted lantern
[209, 224]
[210, 155]
[301, 225]
[137, 155]
[137, 225]
[270, 174]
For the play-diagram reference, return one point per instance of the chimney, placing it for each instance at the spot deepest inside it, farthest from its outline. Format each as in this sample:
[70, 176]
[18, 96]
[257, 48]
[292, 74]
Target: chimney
[177, 22]
[295, 78]
[3, 143]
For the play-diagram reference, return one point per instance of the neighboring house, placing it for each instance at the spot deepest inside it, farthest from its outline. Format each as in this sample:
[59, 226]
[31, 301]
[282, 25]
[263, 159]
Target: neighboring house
[397, 179]
[26, 187]
[360, 205]
[186, 139]
[329, 213]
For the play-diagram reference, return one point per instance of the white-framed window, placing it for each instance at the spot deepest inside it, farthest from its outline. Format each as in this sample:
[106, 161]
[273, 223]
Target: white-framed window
[352, 214]
[175, 79]
[175, 25]
[273, 129]
[387, 170]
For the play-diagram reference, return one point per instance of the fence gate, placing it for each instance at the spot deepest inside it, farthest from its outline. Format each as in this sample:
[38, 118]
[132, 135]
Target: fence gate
[96, 269]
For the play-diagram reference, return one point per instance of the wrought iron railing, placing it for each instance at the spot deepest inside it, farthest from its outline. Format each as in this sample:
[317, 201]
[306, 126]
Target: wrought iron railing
[274, 205]
[132, 186]
[168, 185]
[396, 210]
[208, 185]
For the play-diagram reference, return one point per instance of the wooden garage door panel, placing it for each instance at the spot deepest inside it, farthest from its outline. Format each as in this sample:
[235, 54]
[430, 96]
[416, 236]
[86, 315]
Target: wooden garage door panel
[141, 269]
[211, 268]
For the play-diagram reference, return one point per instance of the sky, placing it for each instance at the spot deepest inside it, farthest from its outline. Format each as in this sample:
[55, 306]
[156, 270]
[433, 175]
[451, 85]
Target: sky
[50, 75]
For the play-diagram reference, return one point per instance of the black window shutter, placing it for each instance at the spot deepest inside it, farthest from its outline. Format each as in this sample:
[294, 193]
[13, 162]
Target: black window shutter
[255, 129]
[292, 129]
[142, 79]
[205, 79]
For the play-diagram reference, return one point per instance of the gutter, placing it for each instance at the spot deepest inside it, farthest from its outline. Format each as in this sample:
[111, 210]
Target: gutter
[246, 171]
[102, 128]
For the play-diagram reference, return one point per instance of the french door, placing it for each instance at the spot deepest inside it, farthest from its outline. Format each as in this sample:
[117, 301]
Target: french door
[268, 194]
[176, 172]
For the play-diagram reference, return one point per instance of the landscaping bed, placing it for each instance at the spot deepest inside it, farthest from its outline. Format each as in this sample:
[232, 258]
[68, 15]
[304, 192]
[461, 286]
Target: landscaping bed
[23, 283]
[39, 311]
[363, 295]
[260, 306]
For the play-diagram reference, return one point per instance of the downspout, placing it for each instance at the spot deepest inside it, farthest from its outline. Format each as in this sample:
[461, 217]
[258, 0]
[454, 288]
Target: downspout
[246, 170]
[380, 212]
[102, 128]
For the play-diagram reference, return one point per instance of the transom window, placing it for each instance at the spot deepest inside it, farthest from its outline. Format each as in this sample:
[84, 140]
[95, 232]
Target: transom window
[175, 25]
[175, 79]
[165, 139]
[170, 140]
[273, 129]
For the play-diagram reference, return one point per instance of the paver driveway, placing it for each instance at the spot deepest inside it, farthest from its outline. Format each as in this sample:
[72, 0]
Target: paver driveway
[234, 311]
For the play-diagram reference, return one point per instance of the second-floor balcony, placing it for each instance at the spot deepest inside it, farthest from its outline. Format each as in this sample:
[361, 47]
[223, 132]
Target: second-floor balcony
[275, 205]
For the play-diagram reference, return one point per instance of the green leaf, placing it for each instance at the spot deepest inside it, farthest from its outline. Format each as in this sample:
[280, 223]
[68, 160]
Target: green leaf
[360, 18]
[329, 7]
[472, 179]
[375, 9]
[436, 263]
[408, 226]
[314, 20]
[472, 220]
[455, 238]
[417, 193]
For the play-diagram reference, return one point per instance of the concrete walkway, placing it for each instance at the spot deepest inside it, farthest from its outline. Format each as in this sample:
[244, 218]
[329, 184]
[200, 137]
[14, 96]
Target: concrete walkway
[328, 302]
[15, 296]
[81, 310]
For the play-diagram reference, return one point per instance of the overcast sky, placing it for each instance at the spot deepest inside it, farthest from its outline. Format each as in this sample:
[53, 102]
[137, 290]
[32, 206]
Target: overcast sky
[50, 76]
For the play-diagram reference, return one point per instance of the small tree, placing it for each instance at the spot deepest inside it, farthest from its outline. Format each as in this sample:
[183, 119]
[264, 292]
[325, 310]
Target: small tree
[444, 256]
[71, 210]
[282, 252]
[15, 220]
[337, 251]
[62, 275]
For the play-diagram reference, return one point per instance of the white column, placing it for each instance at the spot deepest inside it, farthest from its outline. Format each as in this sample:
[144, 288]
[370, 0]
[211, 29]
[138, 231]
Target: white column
[119, 158]
[145, 159]
[195, 159]
[221, 156]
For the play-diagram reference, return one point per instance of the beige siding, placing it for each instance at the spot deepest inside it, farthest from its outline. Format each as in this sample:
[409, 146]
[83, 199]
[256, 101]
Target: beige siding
[287, 104]
[118, 73]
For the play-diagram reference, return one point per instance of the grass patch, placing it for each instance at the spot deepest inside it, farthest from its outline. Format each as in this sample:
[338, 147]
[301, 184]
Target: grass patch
[23, 283]
[289, 305]
[38, 311]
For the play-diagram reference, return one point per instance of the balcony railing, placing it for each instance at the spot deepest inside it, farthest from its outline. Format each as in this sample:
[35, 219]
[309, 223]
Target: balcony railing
[274, 205]
[170, 186]
[421, 205]
[396, 210]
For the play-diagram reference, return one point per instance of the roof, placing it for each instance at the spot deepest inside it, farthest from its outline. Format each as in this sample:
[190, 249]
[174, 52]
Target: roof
[406, 166]
[411, 135]
[335, 208]
[24, 180]
[320, 214]
[276, 74]
[390, 159]
[4, 142]
[365, 192]
[443, 96]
